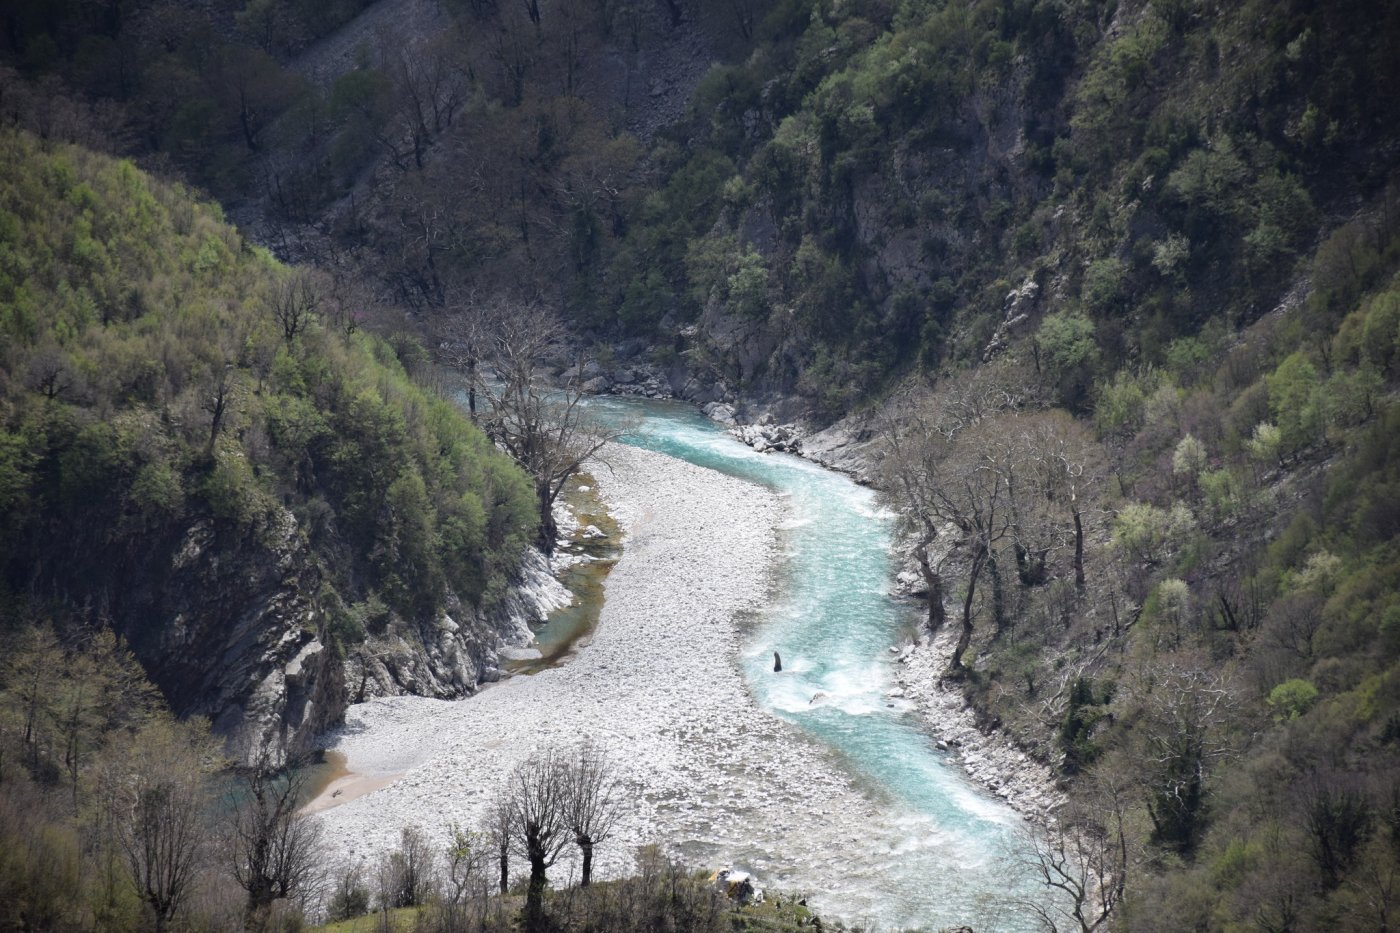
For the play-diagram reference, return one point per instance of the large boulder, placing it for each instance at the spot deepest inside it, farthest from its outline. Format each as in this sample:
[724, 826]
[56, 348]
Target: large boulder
[738, 886]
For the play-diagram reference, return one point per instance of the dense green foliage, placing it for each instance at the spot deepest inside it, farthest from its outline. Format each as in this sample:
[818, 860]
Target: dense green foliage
[1293, 580]
[158, 371]
[883, 174]
[1223, 692]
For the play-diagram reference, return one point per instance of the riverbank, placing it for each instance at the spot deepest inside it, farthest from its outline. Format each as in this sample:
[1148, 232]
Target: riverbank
[989, 758]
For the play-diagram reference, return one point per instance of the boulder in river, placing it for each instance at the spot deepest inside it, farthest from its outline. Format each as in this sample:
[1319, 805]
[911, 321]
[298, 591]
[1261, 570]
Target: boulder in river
[738, 886]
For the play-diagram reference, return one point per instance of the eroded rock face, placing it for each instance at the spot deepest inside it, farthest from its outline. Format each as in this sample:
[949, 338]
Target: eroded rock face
[460, 650]
[227, 628]
[226, 624]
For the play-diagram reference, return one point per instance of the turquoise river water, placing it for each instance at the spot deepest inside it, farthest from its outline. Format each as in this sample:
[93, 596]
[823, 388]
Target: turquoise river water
[949, 852]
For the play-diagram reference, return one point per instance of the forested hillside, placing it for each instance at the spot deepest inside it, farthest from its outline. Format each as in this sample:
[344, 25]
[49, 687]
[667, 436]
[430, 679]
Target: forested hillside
[202, 450]
[859, 198]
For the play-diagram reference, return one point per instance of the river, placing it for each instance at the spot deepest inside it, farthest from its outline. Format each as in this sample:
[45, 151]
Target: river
[833, 622]
[817, 779]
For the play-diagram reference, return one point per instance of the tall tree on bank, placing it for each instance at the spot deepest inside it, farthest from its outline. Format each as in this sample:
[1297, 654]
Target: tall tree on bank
[946, 469]
[541, 425]
[273, 847]
[154, 789]
[966, 465]
[537, 798]
[591, 804]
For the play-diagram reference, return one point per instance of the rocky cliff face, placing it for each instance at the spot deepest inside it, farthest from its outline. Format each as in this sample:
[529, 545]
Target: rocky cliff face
[453, 654]
[229, 627]
[226, 625]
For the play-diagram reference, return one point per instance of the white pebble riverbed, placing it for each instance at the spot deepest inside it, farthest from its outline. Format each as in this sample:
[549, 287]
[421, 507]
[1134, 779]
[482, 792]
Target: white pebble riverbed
[709, 774]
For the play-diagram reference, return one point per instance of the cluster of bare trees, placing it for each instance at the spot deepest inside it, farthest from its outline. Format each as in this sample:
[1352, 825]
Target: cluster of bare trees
[154, 797]
[550, 801]
[554, 799]
[1085, 859]
[143, 788]
[1003, 489]
[502, 349]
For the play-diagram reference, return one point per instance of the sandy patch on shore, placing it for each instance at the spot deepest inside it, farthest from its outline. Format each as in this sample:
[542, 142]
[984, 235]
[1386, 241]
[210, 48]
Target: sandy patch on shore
[346, 788]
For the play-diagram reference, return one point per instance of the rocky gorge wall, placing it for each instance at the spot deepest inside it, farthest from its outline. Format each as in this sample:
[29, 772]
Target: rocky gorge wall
[233, 629]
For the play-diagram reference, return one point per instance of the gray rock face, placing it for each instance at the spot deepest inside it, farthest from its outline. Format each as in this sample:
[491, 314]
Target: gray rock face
[234, 638]
[846, 446]
[228, 628]
[461, 650]
[640, 378]
[765, 437]
[1020, 302]
[718, 411]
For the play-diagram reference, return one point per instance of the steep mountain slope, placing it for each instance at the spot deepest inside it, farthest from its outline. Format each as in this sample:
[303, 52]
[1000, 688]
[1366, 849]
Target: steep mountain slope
[862, 196]
[200, 449]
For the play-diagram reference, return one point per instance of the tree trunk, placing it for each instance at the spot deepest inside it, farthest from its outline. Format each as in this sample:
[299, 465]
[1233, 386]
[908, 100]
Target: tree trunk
[998, 593]
[534, 896]
[934, 581]
[220, 402]
[260, 898]
[549, 530]
[965, 635]
[1078, 549]
[504, 860]
[254, 918]
[586, 845]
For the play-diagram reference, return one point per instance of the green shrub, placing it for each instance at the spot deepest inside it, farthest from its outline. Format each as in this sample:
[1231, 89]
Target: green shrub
[1292, 698]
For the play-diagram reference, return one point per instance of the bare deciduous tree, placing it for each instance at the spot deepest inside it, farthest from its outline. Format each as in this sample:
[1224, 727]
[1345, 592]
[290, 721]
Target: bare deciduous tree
[415, 868]
[1339, 816]
[543, 427]
[429, 88]
[464, 340]
[153, 796]
[294, 305]
[1187, 711]
[466, 862]
[1085, 859]
[591, 802]
[537, 795]
[1062, 470]
[221, 392]
[498, 832]
[273, 848]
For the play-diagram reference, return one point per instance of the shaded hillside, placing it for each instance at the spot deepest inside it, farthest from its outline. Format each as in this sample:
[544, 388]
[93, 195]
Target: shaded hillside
[858, 199]
[201, 449]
